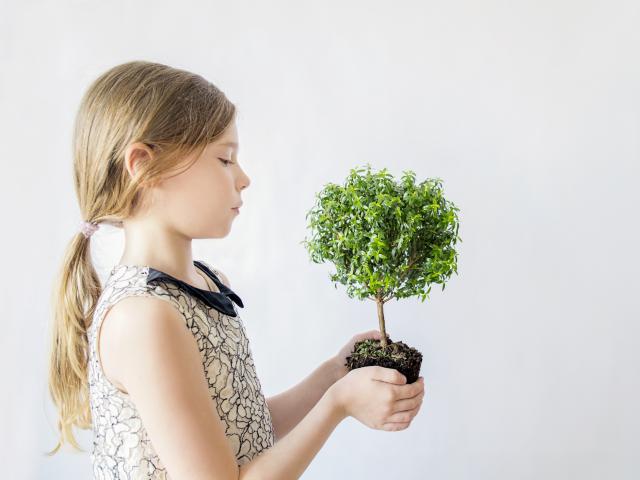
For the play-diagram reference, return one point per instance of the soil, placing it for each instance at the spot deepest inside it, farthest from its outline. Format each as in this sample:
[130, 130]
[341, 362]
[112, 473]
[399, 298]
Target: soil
[397, 355]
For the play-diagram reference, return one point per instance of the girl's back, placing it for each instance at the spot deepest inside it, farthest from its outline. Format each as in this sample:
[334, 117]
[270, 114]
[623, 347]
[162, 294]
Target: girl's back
[121, 447]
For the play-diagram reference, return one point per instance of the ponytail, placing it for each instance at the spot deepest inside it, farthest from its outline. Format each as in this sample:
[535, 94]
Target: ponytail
[75, 295]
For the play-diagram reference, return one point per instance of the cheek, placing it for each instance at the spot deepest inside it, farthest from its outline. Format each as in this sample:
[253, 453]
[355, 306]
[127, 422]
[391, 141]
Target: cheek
[210, 183]
[195, 213]
[194, 194]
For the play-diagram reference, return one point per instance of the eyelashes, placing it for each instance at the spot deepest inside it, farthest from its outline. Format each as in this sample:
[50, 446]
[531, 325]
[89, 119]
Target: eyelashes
[225, 161]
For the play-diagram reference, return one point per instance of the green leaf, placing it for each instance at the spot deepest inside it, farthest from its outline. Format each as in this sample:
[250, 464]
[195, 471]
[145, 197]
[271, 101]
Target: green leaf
[384, 234]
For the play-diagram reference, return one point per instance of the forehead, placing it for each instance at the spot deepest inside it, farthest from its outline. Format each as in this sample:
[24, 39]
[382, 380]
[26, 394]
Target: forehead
[229, 137]
[227, 140]
[225, 144]
[228, 143]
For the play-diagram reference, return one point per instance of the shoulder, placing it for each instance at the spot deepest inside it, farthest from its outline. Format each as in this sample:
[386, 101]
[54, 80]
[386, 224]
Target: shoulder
[145, 329]
[223, 278]
[149, 311]
[138, 326]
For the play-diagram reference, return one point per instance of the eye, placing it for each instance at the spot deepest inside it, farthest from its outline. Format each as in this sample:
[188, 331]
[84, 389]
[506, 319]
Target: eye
[225, 161]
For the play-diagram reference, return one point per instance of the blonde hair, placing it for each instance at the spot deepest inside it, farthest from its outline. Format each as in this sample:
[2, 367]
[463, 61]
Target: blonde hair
[175, 113]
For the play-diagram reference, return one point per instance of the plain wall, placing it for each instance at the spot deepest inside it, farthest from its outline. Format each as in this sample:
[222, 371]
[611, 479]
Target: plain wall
[528, 111]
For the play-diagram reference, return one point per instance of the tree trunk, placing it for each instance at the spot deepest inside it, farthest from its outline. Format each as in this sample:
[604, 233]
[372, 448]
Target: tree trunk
[383, 340]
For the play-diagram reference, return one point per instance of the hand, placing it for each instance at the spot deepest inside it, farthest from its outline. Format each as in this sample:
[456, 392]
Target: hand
[340, 358]
[378, 397]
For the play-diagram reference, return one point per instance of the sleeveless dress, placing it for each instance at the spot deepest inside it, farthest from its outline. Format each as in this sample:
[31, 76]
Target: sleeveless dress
[121, 447]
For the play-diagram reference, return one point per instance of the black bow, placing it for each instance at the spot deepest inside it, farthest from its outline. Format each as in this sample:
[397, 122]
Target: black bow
[218, 300]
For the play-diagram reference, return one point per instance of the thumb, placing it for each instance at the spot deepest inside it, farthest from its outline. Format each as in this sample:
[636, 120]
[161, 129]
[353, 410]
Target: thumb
[375, 334]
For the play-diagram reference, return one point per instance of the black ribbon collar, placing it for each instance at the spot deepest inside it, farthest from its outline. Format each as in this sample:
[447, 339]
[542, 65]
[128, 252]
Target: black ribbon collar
[221, 301]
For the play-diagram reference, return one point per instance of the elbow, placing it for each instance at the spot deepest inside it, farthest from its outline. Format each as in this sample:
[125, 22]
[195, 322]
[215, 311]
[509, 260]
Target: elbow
[242, 473]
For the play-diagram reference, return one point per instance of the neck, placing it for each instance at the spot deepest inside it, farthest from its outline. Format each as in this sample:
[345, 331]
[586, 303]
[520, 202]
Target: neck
[150, 243]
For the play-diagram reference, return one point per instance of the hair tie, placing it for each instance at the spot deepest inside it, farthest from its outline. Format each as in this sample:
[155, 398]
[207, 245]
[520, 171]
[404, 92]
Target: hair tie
[88, 228]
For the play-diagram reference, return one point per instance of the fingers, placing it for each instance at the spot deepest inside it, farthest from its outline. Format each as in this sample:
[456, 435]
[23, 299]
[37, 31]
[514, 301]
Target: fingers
[403, 417]
[408, 412]
[408, 403]
[395, 426]
[409, 390]
[389, 375]
[375, 334]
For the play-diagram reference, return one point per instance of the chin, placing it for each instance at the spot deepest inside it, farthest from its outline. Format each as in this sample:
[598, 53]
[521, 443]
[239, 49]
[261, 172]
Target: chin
[221, 232]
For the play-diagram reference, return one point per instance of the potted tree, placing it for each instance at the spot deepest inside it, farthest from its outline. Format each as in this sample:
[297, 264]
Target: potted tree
[387, 239]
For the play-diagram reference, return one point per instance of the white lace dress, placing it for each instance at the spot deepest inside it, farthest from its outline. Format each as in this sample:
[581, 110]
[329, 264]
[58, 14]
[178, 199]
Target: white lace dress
[121, 448]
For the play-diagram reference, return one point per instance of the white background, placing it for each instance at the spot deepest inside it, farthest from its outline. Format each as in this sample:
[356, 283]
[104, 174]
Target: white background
[528, 111]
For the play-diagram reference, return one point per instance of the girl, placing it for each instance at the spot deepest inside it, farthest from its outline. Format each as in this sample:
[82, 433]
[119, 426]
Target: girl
[156, 362]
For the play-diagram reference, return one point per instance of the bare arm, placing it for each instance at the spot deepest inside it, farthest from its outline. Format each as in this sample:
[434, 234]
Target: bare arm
[150, 353]
[376, 396]
[308, 411]
[291, 406]
[289, 458]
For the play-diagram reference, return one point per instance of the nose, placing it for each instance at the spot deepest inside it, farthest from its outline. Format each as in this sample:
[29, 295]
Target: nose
[243, 180]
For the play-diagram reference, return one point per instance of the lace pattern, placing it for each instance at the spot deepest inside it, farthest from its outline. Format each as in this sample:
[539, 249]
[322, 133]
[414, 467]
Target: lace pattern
[121, 447]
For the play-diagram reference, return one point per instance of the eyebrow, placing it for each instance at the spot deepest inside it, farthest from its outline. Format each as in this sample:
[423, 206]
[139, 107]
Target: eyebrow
[231, 144]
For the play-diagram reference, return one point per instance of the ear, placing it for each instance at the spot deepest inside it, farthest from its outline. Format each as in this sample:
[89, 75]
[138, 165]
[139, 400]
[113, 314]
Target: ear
[134, 155]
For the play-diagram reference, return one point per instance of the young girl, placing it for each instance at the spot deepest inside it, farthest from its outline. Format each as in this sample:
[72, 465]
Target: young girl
[156, 362]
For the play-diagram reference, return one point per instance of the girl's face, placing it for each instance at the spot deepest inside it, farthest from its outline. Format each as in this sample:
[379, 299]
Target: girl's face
[199, 202]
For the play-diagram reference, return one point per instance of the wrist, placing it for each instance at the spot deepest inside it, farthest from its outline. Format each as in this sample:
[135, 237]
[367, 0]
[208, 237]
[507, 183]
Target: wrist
[334, 403]
[336, 368]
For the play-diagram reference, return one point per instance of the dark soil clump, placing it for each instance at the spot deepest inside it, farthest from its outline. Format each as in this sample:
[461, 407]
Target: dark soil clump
[398, 355]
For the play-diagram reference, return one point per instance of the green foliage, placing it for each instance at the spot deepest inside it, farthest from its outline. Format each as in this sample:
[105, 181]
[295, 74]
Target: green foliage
[386, 238]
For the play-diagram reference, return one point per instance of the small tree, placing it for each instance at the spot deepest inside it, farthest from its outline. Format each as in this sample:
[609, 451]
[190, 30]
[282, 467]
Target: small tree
[387, 239]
